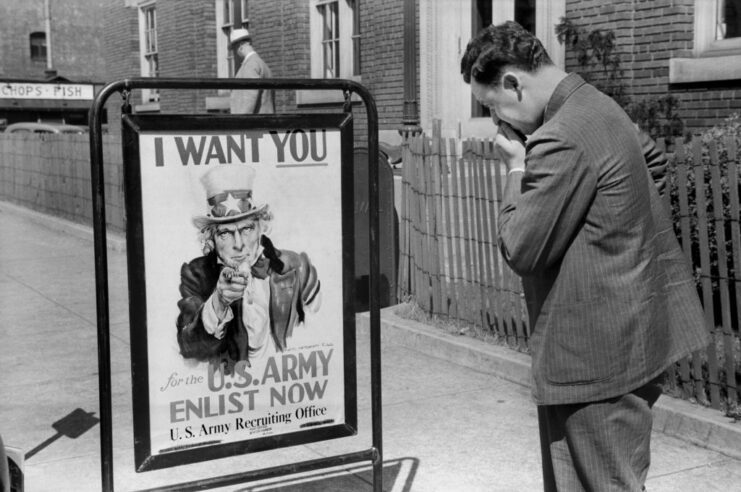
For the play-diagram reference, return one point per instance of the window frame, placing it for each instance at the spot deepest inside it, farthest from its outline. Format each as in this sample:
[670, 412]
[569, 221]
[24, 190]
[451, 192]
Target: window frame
[348, 15]
[705, 24]
[713, 60]
[33, 40]
[149, 53]
[245, 12]
[224, 61]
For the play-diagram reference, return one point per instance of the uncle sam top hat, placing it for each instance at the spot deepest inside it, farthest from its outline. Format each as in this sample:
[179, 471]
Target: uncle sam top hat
[229, 195]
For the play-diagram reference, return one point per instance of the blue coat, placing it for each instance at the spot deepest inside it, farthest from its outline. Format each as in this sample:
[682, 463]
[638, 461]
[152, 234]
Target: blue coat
[610, 296]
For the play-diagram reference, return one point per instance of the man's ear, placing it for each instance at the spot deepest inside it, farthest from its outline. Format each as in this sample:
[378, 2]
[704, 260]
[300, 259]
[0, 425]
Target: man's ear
[511, 81]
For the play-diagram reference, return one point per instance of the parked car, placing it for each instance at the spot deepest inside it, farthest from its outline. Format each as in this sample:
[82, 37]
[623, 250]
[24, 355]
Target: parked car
[44, 127]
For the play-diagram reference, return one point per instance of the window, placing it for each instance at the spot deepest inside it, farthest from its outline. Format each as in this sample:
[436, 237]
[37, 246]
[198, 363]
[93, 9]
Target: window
[717, 44]
[330, 39]
[38, 46]
[356, 38]
[335, 46]
[728, 20]
[245, 13]
[335, 35]
[228, 14]
[717, 27]
[149, 54]
[224, 56]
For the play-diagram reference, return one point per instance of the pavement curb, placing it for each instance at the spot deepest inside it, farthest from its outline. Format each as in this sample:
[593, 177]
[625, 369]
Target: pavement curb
[114, 242]
[701, 426]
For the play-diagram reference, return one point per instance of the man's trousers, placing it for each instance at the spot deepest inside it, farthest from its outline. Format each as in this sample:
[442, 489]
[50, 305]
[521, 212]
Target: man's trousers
[598, 446]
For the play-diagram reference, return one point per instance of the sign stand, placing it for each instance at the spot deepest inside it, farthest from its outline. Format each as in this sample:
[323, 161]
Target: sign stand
[375, 453]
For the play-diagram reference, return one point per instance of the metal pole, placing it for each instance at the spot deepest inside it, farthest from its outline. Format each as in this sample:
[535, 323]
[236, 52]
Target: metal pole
[374, 305]
[101, 282]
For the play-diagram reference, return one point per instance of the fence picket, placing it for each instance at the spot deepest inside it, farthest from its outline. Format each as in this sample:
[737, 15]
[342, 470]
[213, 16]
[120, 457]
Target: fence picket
[460, 258]
[437, 251]
[449, 228]
[418, 223]
[733, 198]
[478, 226]
[426, 232]
[707, 292]
[402, 276]
[684, 222]
[722, 256]
[493, 209]
[465, 218]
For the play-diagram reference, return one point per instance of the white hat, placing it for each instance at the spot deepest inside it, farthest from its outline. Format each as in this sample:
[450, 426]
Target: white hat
[239, 35]
[229, 194]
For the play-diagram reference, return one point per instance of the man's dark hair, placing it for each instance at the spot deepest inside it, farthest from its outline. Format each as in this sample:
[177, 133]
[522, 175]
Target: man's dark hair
[503, 45]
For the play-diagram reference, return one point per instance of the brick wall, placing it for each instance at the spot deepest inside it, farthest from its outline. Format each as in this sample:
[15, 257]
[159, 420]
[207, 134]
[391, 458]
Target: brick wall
[77, 47]
[186, 34]
[280, 34]
[649, 33]
[121, 54]
[280, 30]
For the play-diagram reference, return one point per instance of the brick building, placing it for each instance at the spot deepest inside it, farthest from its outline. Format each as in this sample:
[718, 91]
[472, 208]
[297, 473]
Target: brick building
[191, 41]
[689, 49]
[51, 59]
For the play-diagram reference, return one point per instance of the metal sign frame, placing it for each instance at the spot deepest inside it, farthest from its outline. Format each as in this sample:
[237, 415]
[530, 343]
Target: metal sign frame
[373, 454]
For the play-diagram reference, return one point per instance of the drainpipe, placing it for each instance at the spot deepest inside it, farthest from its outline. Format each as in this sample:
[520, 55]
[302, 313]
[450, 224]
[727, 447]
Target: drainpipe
[410, 117]
[49, 72]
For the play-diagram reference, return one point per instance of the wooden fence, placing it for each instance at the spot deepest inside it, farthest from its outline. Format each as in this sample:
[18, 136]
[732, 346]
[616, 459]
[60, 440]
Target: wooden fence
[450, 265]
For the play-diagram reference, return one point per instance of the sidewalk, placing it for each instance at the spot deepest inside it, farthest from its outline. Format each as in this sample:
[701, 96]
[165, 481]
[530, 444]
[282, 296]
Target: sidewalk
[454, 416]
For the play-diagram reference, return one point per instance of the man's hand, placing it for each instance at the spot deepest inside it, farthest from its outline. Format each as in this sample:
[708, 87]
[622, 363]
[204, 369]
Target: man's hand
[229, 288]
[511, 146]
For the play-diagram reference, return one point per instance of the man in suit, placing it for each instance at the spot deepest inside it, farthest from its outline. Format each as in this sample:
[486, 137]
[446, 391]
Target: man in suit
[610, 297]
[256, 101]
[244, 297]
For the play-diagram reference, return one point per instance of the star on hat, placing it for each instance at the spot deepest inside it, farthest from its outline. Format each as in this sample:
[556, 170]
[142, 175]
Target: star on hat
[229, 195]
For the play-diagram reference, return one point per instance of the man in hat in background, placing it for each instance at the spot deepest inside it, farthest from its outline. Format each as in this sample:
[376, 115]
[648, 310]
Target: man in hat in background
[244, 297]
[260, 101]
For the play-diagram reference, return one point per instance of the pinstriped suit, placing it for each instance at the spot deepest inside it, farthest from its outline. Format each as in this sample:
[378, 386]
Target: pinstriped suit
[610, 296]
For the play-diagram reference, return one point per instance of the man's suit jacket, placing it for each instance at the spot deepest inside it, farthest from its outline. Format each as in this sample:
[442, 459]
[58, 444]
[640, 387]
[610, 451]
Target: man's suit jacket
[256, 101]
[610, 297]
[293, 285]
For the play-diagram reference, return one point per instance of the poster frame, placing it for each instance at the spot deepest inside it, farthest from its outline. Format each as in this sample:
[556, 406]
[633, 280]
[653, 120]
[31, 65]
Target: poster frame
[132, 127]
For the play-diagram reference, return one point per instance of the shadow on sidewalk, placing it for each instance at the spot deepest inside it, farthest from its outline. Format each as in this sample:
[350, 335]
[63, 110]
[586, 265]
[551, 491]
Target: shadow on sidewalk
[398, 476]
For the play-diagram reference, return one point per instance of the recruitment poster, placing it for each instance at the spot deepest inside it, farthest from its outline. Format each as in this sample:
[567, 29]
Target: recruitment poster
[240, 281]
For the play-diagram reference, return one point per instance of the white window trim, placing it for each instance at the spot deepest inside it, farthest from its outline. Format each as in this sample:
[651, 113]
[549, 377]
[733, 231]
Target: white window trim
[245, 19]
[346, 54]
[147, 104]
[714, 60]
[223, 21]
[222, 43]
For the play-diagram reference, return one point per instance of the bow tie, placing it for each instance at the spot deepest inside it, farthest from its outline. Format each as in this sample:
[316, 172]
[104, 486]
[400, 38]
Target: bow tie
[260, 268]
